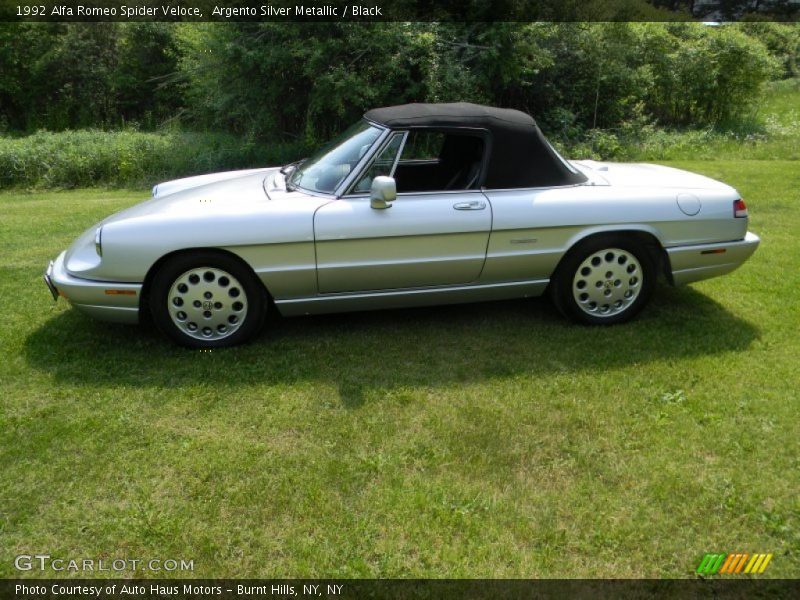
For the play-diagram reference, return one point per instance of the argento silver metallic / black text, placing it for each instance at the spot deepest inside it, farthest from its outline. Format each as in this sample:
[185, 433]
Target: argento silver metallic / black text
[298, 10]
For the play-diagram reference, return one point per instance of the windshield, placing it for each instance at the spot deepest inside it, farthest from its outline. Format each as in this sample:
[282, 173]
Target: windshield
[325, 170]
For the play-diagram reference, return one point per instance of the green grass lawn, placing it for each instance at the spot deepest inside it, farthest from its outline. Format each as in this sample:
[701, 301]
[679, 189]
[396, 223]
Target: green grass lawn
[490, 440]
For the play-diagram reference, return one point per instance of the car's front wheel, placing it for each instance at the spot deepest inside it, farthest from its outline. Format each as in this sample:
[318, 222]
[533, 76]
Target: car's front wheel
[207, 300]
[604, 280]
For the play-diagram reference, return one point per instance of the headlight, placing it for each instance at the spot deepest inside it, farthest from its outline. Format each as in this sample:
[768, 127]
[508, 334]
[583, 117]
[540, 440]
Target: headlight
[98, 241]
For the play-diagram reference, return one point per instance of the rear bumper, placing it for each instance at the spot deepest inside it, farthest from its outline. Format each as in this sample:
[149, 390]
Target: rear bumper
[105, 300]
[703, 261]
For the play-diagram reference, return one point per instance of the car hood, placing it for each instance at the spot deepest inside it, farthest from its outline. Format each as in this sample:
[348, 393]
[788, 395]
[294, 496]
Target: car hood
[646, 175]
[165, 188]
[218, 192]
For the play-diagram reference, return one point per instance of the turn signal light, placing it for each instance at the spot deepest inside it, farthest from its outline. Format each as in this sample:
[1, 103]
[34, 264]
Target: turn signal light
[739, 209]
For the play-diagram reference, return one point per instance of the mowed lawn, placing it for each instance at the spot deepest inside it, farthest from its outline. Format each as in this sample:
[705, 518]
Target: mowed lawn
[485, 440]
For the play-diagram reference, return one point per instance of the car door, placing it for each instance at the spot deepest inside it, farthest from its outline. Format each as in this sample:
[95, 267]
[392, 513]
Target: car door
[426, 238]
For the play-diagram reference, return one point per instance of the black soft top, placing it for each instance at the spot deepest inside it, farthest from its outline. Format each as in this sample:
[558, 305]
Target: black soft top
[520, 156]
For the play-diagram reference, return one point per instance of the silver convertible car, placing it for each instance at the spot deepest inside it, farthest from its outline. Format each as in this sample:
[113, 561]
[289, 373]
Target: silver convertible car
[413, 205]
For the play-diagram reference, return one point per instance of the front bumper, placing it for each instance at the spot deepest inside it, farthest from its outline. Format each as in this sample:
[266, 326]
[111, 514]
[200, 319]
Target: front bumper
[703, 261]
[105, 300]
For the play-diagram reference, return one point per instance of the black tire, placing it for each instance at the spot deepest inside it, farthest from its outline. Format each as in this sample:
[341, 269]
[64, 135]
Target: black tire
[615, 252]
[223, 275]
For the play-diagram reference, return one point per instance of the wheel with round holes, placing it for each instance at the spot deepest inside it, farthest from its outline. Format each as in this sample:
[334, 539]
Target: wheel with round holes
[207, 300]
[604, 280]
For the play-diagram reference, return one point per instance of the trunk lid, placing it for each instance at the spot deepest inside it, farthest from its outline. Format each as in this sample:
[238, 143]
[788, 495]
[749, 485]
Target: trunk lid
[647, 175]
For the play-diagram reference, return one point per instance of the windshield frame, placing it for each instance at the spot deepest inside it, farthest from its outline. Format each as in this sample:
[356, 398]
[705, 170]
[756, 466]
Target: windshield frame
[349, 192]
[354, 172]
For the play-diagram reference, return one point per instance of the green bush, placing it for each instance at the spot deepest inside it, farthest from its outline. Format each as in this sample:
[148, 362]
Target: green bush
[276, 80]
[290, 81]
[131, 158]
[703, 75]
[783, 42]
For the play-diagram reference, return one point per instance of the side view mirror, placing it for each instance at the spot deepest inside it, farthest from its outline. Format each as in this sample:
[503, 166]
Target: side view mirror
[383, 192]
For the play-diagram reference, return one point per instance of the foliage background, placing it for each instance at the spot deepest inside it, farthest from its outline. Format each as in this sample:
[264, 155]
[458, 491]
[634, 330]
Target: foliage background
[219, 95]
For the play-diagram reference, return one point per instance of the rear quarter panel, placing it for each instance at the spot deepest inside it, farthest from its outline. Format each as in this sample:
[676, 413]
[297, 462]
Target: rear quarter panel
[532, 229]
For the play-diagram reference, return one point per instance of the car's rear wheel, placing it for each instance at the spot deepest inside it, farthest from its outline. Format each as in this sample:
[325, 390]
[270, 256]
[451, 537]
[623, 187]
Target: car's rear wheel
[603, 281]
[207, 300]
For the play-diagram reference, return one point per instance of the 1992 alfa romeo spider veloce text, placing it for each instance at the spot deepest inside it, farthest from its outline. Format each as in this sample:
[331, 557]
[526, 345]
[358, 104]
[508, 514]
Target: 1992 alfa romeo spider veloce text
[413, 205]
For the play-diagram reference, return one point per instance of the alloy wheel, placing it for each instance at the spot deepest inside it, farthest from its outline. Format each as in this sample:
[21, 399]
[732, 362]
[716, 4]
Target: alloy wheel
[607, 282]
[207, 303]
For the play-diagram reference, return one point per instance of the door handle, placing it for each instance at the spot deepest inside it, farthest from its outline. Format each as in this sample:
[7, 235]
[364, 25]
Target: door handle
[472, 205]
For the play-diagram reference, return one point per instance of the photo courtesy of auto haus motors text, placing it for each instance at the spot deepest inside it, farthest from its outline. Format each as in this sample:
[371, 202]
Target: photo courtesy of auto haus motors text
[184, 590]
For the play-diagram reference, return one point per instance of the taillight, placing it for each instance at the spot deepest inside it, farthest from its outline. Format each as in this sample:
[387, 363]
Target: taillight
[739, 209]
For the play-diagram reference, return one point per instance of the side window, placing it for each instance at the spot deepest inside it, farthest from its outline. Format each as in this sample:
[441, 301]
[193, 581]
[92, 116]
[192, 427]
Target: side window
[423, 145]
[441, 160]
[382, 164]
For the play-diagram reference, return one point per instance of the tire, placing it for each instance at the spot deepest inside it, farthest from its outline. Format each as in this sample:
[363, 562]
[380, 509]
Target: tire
[604, 281]
[207, 299]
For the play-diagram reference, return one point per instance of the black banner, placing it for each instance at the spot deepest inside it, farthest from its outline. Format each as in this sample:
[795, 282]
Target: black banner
[396, 10]
[391, 589]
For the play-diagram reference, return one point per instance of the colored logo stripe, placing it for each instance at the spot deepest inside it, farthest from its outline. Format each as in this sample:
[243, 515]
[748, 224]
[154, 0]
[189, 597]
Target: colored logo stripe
[710, 563]
[733, 563]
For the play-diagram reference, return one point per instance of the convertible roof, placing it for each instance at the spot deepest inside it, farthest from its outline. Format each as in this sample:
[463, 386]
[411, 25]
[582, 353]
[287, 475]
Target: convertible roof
[520, 156]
